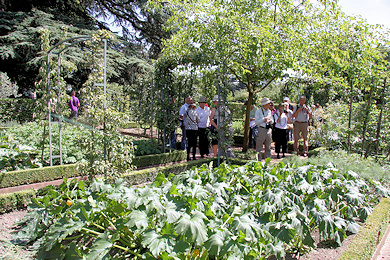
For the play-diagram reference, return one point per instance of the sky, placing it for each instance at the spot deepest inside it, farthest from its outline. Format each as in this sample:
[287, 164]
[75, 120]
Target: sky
[374, 11]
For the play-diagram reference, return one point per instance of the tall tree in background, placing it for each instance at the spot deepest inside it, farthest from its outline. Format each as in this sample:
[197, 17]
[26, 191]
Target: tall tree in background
[256, 41]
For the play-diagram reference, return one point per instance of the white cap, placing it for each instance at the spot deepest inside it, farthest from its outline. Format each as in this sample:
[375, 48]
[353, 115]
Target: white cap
[286, 99]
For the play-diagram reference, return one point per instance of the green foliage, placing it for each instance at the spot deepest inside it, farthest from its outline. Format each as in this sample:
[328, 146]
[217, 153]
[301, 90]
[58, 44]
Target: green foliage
[333, 131]
[21, 110]
[365, 243]
[14, 156]
[36, 175]
[15, 200]
[368, 168]
[7, 88]
[145, 147]
[229, 212]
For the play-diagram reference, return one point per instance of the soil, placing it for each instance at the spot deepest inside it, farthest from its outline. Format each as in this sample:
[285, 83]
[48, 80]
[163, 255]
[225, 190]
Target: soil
[10, 251]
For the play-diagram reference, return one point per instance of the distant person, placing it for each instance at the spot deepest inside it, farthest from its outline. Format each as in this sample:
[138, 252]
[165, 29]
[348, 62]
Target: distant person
[290, 113]
[191, 118]
[281, 129]
[73, 104]
[204, 113]
[264, 120]
[253, 128]
[183, 110]
[302, 115]
[52, 105]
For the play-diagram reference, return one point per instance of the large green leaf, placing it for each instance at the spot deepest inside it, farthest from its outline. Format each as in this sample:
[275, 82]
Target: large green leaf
[100, 249]
[156, 243]
[139, 219]
[193, 227]
[248, 226]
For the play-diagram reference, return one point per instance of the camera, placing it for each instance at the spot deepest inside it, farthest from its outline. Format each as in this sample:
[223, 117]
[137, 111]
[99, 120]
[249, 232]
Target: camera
[268, 126]
[285, 111]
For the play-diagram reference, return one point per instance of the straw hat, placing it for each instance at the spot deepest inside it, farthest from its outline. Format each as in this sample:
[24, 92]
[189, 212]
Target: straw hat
[265, 101]
[216, 98]
[202, 99]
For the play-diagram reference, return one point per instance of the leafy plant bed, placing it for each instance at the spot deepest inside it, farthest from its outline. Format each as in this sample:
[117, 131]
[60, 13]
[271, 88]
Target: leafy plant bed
[251, 211]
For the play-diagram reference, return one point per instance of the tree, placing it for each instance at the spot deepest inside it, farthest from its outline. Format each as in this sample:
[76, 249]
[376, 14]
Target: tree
[353, 62]
[256, 41]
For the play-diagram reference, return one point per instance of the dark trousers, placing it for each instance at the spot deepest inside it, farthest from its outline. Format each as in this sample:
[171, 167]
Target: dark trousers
[191, 137]
[281, 139]
[203, 141]
[184, 140]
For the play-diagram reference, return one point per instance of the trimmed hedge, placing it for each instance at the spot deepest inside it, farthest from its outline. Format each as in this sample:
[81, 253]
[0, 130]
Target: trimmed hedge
[364, 244]
[154, 159]
[19, 200]
[15, 200]
[50, 173]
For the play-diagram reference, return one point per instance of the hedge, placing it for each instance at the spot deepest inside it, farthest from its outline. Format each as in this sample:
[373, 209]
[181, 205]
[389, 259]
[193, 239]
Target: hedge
[15, 200]
[366, 241]
[36, 175]
[19, 200]
[154, 159]
[50, 173]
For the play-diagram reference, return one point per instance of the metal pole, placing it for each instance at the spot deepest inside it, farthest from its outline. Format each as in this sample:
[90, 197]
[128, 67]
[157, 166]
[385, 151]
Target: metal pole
[105, 99]
[59, 110]
[151, 116]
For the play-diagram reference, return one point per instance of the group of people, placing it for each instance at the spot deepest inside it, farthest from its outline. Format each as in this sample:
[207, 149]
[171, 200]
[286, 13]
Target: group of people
[269, 124]
[266, 124]
[73, 103]
[206, 123]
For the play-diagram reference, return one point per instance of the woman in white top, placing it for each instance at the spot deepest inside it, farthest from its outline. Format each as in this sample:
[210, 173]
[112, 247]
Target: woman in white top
[191, 119]
[281, 129]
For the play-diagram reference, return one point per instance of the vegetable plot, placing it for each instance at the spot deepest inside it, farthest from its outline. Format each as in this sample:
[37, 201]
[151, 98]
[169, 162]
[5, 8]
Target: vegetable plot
[230, 212]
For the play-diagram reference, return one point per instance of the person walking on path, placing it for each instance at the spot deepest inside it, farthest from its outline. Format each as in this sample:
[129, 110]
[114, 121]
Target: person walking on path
[204, 113]
[183, 110]
[264, 120]
[281, 129]
[191, 118]
[302, 115]
[73, 104]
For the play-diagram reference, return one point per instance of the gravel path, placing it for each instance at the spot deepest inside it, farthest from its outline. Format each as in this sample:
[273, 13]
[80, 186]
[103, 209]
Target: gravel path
[8, 250]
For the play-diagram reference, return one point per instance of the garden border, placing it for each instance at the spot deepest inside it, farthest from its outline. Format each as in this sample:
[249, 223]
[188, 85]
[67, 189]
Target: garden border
[363, 246]
[50, 173]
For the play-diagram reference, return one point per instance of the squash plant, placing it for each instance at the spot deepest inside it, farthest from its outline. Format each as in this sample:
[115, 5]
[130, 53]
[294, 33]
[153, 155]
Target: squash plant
[230, 212]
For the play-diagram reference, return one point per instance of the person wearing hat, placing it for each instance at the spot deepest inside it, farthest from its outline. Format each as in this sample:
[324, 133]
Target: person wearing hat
[183, 110]
[204, 113]
[191, 118]
[264, 120]
[302, 114]
[218, 115]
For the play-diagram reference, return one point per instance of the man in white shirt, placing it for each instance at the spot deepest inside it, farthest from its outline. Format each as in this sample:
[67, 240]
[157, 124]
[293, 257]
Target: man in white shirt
[264, 120]
[302, 114]
[204, 113]
[182, 111]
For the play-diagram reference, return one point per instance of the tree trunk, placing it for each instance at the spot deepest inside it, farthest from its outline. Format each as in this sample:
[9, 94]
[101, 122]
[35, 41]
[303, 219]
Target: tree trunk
[350, 118]
[378, 128]
[365, 121]
[246, 125]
